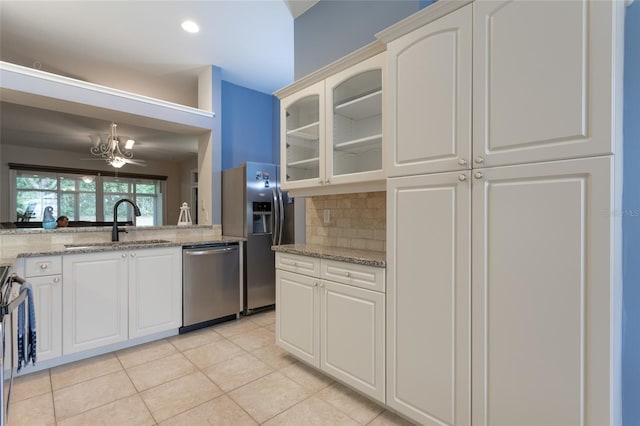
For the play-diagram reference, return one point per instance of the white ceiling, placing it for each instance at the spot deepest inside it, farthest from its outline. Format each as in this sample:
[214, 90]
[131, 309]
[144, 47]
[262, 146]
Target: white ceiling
[139, 46]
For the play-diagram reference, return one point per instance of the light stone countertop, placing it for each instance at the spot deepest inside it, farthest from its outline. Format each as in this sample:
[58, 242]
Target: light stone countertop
[362, 257]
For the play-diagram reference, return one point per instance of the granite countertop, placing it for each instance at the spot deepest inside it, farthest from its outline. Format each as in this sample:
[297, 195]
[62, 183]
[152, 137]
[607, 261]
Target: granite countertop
[362, 257]
[66, 249]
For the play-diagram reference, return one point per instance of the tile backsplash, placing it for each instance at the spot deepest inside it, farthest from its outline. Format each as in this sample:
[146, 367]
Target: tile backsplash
[356, 221]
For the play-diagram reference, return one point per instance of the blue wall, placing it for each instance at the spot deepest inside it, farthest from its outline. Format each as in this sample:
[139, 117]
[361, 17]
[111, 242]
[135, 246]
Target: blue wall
[247, 126]
[332, 29]
[631, 221]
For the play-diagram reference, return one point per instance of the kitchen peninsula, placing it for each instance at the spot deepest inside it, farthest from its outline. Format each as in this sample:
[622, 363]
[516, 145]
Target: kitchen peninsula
[94, 295]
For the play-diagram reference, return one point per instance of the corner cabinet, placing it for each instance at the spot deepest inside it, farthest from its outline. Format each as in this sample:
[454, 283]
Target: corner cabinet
[331, 131]
[326, 318]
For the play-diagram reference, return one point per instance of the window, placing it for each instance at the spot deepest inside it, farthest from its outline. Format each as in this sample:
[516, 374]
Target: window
[85, 197]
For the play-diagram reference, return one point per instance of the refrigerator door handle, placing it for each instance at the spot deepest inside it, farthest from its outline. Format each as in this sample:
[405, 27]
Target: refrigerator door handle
[281, 215]
[275, 218]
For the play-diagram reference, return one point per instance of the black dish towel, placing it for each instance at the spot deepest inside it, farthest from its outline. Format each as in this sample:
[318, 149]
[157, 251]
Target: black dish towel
[26, 350]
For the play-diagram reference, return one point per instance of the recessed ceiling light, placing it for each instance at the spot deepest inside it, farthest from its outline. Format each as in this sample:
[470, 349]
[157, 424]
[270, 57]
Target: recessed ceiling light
[190, 27]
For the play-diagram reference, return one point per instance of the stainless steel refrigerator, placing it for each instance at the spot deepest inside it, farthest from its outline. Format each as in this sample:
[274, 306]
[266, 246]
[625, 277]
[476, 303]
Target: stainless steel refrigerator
[254, 207]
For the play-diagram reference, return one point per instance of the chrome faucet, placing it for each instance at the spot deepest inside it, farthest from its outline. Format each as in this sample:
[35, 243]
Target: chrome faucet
[115, 230]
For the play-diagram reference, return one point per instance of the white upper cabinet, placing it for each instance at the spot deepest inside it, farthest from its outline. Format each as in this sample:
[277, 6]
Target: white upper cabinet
[302, 136]
[542, 80]
[429, 97]
[354, 123]
[331, 131]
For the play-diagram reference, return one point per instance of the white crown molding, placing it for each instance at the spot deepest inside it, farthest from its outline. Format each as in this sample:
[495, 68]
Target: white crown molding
[429, 14]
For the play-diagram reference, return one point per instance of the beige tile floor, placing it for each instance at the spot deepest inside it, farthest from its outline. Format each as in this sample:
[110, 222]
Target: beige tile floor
[228, 374]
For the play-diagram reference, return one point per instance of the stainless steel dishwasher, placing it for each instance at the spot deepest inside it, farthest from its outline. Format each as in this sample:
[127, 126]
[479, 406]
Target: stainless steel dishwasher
[210, 285]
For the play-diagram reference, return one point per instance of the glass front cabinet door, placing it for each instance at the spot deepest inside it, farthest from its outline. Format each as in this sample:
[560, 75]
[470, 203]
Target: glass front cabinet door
[331, 131]
[302, 128]
[354, 123]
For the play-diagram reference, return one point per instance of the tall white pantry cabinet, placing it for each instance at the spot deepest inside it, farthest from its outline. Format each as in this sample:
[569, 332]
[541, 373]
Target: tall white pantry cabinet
[503, 244]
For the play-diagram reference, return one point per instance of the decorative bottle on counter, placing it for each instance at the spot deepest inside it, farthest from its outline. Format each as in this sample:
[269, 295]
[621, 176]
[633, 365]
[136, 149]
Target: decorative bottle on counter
[48, 220]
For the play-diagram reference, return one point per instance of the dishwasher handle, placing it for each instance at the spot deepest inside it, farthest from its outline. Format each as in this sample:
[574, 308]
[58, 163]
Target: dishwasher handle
[212, 250]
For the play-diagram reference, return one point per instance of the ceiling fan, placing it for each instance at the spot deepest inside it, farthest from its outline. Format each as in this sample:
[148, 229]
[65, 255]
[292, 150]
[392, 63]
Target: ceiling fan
[116, 151]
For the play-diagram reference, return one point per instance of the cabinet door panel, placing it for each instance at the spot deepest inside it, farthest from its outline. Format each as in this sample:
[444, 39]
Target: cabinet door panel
[543, 92]
[95, 300]
[429, 119]
[302, 130]
[542, 294]
[297, 316]
[47, 294]
[155, 283]
[354, 103]
[428, 298]
[352, 337]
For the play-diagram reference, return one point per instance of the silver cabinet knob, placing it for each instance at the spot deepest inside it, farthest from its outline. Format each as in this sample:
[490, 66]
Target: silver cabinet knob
[478, 160]
[321, 285]
[478, 175]
[462, 178]
[124, 255]
[43, 266]
[56, 280]
[315, 284]
[320, 181]
[346, 274]
[327, 181]
[133, 254]
[462, 161]
[294, 264]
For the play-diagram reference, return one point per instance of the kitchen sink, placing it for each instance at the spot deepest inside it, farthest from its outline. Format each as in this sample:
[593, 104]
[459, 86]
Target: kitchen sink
[114, 244]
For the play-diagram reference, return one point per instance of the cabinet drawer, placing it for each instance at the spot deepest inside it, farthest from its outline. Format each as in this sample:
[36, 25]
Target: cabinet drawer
[300, 264]
[41, 266]
[364, 276]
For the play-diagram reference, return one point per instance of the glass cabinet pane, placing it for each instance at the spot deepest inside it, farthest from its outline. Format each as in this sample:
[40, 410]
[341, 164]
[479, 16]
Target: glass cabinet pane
[303, 143]
[357, 124]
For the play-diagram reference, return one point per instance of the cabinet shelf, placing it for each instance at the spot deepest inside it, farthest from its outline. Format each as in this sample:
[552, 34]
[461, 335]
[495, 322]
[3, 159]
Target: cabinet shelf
[308, 163]
[366, 106]
[360, 145]
[308, 131]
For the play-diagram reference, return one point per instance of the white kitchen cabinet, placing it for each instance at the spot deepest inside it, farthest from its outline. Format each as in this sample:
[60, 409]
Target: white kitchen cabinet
[47, 293]
[352, 334]
[111, 297]
[429, 97]
[302, 134]
[545, 79]
[333, 325]
[298, 315]
[95, 300]
[429, 297]
[155, 290]
[331, 131]
[543, 294]
[45, 276]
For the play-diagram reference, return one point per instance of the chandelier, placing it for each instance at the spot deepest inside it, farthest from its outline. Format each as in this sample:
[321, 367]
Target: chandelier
[111, 149]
